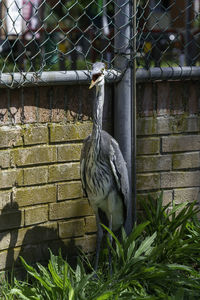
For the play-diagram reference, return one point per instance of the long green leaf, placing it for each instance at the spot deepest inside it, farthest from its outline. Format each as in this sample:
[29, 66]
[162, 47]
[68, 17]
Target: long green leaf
[116, 240]
[137, 231]
[177, 207]
[71, 294]
[179, 267]
[144, 247]
[56, 278]
[130, 250]
[105, 296]
[35, 274]
[18, 292]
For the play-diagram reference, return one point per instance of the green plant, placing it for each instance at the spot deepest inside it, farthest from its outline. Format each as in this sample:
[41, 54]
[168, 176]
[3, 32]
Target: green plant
[178, 231]
[137, 272]
[158, 260]
[5, 287]
[57, 281]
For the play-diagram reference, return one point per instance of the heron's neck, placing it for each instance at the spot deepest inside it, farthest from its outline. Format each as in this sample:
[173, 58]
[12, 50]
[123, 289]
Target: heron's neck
[98, 113]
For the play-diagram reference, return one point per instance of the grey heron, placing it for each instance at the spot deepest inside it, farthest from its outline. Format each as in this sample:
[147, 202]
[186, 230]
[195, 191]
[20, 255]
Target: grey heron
[103, 170]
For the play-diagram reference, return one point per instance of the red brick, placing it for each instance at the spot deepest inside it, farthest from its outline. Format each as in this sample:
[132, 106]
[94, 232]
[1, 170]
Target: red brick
[15, 106]
[72, 103]
[147, 100]
[163, 98]
[30, 109]
[58, 104]
[4, 107]
[193, 98]
[86, 105]
[44, 105]
[176, 97]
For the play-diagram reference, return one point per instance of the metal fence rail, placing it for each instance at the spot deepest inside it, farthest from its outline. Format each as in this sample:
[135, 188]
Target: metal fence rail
[59, 35]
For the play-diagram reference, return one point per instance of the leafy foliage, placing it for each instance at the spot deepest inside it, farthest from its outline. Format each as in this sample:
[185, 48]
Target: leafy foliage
[158, 260]
[178, 231]
[56, 282]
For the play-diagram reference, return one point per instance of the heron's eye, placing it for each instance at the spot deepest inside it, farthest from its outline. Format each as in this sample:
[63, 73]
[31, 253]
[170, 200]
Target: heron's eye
[96, 76]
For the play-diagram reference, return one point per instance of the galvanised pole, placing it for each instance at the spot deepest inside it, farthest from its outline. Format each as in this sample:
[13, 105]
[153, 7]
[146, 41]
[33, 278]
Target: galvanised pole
[124, 102]
[188, 36]
[134, 110]
[53, 78]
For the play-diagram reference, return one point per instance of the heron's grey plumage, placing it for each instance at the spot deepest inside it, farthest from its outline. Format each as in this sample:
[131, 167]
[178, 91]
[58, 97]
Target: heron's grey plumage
[104, 173]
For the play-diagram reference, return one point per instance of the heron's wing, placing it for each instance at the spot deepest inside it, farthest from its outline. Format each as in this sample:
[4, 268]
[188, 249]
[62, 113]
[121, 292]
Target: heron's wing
[119, 169]
[120, 173]
[84, 152]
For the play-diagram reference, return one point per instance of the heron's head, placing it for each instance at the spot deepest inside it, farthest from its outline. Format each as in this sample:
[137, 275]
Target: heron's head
[98, 74]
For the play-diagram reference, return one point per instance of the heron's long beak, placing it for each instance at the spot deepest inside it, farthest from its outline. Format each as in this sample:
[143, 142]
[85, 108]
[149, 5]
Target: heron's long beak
[95, 79]
[92, 84]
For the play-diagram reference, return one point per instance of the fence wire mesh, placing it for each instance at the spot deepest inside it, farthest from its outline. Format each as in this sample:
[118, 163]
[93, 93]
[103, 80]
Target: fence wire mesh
[50, 35]
[168, 33]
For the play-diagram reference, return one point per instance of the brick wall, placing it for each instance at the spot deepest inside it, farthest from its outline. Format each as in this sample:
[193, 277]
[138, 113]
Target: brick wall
[41, 200]
[168, 143]
[41, 132]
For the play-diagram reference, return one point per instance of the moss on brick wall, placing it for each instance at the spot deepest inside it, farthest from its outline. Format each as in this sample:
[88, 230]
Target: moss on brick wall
[168, 142]
[41, 132]
[40, 188]
[41, 199]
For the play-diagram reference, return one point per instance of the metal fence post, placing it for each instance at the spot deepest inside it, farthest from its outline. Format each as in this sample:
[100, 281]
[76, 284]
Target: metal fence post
[188, 36]
[124, 109]
[134, 109]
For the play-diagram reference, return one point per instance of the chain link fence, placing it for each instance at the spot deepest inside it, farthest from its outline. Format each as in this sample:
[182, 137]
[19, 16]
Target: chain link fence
[168, 33]
[61, 35]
